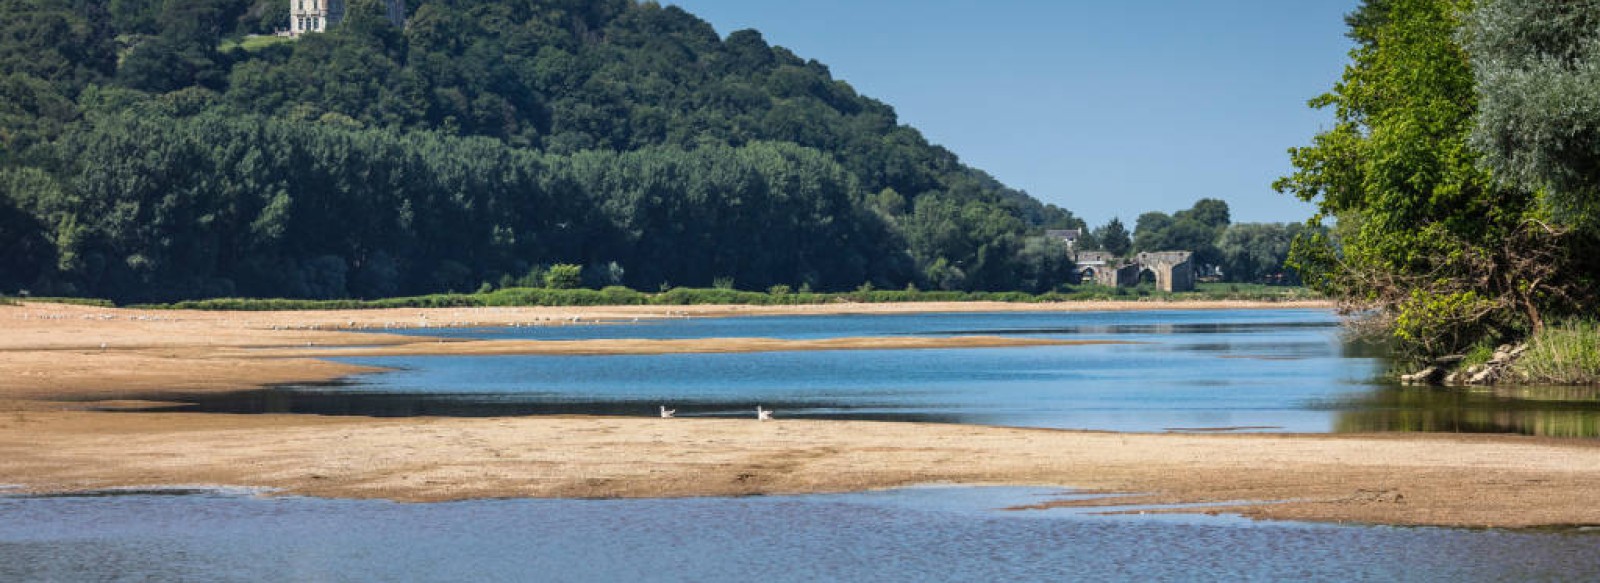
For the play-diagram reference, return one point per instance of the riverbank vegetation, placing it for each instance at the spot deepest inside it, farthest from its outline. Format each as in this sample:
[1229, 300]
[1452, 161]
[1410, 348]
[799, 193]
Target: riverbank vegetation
[1461, 174]
[1234, 252]
[1563, 353]
[779, 295]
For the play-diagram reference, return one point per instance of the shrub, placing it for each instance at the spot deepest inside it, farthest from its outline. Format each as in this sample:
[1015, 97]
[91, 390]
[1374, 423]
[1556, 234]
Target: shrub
[564, 276]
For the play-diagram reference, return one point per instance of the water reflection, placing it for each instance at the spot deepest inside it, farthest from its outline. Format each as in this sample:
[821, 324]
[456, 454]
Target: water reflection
[1546, 411]
[1240, 370]
[1050, 324]
[947, 534]
[334, 402]
[1156, 328]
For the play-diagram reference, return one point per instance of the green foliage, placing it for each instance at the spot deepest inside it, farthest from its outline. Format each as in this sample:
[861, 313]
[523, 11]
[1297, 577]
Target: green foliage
[682, 296]
[93, 302]
[1259, 252]
[53, 41]
[253, 43]
[1566, 353]
[482, 140]
[564, 276]
[1480, 353]
[1443, 254]
[1196, 229]
[1538, 81]
[1113, 238]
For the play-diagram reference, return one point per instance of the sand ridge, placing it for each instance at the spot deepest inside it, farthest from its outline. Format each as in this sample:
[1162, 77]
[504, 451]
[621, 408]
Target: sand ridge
[49, 353]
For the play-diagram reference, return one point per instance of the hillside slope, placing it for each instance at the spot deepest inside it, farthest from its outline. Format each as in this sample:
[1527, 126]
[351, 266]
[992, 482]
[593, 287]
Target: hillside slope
[140, 161]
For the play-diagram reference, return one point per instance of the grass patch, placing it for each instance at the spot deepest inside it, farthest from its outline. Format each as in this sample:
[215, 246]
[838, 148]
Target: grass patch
[96, 302]
[1564, 354]
[252, 43]
[1480, 353]
[622, 296]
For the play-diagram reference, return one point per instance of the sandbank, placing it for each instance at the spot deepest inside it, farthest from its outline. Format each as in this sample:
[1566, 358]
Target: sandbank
[52, 363]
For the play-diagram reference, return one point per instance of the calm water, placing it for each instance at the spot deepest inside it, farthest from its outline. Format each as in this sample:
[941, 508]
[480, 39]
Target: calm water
[948, 534]
[1238, 371]
[1248, 370]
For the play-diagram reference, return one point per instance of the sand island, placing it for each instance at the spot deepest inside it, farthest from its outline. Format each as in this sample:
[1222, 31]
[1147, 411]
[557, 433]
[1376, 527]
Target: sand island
[67, 424]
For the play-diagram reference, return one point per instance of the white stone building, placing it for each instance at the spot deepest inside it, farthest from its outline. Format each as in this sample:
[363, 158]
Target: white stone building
[320, 15]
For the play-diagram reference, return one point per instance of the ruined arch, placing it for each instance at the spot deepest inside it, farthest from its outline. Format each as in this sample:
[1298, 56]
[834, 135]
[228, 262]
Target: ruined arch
[1174, 272]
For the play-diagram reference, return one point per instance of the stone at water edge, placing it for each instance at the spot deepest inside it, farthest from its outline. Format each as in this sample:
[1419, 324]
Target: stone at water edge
[1427, 376]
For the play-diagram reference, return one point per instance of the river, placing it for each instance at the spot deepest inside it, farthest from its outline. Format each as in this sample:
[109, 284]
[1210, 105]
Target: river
[1171, 371]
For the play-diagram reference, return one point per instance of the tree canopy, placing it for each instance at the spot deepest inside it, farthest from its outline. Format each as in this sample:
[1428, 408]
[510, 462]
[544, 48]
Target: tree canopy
[146, 153]
[1538, 68]
[1446, 253]
[1195, 229]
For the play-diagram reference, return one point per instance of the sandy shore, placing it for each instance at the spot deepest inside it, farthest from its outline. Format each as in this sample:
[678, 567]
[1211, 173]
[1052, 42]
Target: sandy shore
[50, 352]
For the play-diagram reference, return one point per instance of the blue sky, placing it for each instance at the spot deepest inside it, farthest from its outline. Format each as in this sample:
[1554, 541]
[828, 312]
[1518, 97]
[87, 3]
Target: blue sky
[1107, 108]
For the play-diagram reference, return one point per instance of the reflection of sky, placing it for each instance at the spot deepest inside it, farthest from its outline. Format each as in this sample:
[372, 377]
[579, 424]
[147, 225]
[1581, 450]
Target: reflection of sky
[1252, 370]
[1081, 325]
[919, 534]
[1185, 369]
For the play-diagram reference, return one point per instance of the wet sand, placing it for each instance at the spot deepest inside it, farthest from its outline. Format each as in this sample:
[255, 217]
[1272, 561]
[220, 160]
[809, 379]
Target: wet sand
[52, 353]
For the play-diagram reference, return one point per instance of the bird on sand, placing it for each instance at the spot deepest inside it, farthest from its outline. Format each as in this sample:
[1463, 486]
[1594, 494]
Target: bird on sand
[667, 413]
[763, 414]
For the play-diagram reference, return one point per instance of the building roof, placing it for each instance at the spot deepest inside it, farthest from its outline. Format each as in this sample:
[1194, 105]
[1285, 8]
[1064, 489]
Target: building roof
[1068, 234]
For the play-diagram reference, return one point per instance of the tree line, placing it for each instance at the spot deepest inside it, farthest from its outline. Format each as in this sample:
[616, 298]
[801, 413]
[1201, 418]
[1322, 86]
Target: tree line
[147, 155]
[1461, 171]
[1235, 252]
[482, 140]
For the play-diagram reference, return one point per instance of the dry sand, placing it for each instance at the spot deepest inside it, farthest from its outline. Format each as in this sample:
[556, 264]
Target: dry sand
[50, 352]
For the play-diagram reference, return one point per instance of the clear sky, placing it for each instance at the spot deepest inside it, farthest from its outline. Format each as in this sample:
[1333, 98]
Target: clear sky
[1104, 107]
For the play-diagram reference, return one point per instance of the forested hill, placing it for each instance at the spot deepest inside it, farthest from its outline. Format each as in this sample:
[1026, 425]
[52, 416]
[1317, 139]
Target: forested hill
[150, 150]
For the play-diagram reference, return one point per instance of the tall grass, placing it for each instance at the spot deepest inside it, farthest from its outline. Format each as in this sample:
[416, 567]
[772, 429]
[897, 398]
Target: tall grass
[1564, 354]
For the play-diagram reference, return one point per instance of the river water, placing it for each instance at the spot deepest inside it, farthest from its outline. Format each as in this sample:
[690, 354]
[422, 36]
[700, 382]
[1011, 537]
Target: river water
[1245, 370]
[1277, 370]
[933, 534]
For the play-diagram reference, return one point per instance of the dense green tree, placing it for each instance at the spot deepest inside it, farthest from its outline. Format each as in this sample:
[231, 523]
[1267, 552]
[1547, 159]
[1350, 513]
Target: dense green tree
[484, 140]
[1444, 254]
[1537, 64]
[62, 42]
[1195, 229]
[1259, 252]
[564, 276]
[1113, 238]
[1150, 232]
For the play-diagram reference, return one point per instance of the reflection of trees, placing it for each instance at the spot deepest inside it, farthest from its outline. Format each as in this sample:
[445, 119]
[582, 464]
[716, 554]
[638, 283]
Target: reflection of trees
[1548, 411]
[1351, 346]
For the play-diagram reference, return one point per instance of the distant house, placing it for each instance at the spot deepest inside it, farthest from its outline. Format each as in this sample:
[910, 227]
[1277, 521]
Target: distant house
[320, 15]
[1069, 236]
